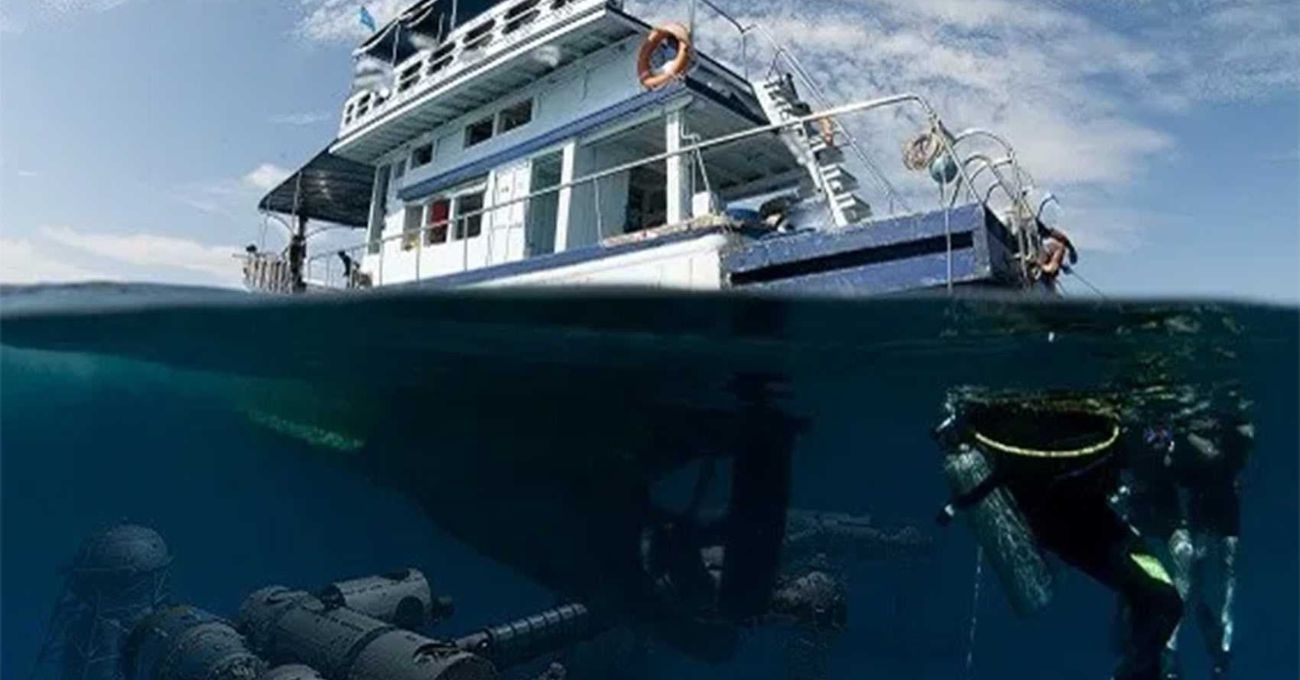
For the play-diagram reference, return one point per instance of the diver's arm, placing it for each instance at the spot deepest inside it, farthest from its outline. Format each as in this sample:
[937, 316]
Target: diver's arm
[1051, 264]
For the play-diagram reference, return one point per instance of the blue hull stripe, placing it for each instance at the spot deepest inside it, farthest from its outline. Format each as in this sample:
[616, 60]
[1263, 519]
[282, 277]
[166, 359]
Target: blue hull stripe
[781, 249]
[894, 276]
[897, 254]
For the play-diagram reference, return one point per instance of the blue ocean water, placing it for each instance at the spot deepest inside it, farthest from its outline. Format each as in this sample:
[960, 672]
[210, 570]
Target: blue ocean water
[491, 441]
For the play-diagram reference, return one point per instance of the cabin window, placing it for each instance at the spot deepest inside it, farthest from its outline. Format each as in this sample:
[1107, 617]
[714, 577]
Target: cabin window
[515, 115]
[478, 131]
[647, 199]
[439, 212]
[399, 170]
[469, 225]
[422, 155]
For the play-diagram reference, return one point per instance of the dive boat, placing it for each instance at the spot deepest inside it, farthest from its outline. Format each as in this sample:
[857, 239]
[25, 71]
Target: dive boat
[569, 142]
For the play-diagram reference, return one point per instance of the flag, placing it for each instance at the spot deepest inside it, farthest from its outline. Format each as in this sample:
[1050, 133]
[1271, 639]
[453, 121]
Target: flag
[367, 20]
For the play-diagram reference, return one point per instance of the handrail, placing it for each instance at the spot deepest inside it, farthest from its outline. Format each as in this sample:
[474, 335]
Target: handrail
[992, 166]
[821, 99]
[1021, 173]
[1026, 241]
[819, 96]
[696, 148]
[414, 76]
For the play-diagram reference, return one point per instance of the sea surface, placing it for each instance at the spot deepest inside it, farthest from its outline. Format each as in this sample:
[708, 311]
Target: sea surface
[494, 441]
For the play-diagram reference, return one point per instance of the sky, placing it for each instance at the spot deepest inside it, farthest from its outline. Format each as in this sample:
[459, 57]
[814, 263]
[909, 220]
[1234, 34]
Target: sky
[136, 136]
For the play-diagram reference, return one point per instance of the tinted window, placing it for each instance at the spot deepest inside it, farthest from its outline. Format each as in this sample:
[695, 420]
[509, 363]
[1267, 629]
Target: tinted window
[422, 155]
[478, 131]
[473, 225]
[513, 116]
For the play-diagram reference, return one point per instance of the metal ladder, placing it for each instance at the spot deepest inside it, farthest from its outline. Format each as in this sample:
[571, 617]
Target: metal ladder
[824, 161]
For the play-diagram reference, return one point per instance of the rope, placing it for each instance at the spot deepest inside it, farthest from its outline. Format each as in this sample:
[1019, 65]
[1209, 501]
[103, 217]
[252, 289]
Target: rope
[1088, 283]
[922, 150]
[974, 612]
[1048, 453]
[947, 233]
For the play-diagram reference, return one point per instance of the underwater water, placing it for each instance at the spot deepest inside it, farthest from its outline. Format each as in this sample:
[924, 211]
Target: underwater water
[498, 443]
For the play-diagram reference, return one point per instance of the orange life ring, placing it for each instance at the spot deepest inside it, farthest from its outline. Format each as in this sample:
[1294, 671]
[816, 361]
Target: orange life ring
[653, 80]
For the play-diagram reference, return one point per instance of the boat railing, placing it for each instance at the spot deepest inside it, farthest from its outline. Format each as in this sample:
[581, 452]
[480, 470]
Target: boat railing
[785, 61]
[268, 273]
[416, 238]
[496, 31]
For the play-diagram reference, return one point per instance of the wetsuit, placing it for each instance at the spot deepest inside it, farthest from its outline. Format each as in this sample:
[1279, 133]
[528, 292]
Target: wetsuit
[1185, 491]
[1066, 501]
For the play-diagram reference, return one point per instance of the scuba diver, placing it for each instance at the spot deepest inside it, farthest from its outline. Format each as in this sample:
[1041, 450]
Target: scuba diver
[1033, 475]
[1185, 490]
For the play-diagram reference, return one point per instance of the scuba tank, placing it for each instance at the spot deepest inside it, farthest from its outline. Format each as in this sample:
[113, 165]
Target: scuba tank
[1002, 531]
[1049, 441]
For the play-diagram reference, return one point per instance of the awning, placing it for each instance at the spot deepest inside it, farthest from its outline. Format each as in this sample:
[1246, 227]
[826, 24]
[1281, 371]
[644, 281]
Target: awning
[420, 26]
[328, 188]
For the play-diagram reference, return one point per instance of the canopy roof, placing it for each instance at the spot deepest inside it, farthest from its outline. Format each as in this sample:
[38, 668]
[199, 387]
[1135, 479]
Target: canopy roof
[328, 188]
[420, 26]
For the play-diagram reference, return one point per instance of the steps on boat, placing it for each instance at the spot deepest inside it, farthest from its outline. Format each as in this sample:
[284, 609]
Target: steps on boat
[820, 156]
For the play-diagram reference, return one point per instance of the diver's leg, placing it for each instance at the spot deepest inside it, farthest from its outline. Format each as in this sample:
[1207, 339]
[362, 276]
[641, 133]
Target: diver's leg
[1215, 610]
[1155, 604]
[1216, 515]
[1181, 554]
[1228, 581]
[1086, 533]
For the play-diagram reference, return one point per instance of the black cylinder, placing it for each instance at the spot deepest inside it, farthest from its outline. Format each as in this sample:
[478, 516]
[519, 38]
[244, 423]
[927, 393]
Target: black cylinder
[527, 638]
[184, 643]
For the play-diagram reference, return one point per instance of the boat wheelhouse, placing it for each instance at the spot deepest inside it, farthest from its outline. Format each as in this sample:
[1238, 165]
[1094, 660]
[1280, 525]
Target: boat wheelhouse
[569, 142]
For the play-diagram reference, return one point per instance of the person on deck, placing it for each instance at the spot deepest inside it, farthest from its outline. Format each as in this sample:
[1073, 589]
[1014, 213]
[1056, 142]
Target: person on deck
[1051, 259]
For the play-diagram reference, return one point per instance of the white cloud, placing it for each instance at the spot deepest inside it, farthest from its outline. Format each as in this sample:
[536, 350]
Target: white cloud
[1078, 88]
[8, 24]
[75, 6]
[299, 118]
[22, 261]
[265, 176]
[152, 256]
[17, 17]
[1236, 49]
[339, 20]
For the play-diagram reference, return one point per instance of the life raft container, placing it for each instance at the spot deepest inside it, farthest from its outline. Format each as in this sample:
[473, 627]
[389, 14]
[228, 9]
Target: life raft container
[653, 79]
